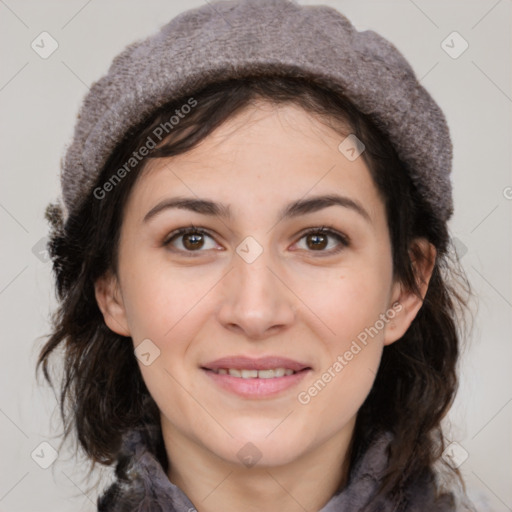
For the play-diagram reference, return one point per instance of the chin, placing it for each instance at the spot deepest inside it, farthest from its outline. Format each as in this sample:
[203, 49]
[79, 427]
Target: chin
[260, 449]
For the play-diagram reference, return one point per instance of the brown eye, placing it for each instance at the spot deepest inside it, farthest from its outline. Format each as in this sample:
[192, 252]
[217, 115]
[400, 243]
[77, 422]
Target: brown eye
[190, 240]
[193, 241]
[323, 240]
[316, 241]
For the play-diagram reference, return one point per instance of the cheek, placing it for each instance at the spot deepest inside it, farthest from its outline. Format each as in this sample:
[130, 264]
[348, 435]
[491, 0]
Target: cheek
[160, 300]
[351, 353]
[351, 307]
[349, 303]
[170, 307]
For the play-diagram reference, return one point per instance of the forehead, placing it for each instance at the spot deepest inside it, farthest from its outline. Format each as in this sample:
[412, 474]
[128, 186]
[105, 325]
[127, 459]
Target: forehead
[266, 154]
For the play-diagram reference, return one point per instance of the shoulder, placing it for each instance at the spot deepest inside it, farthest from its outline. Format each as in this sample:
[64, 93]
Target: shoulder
[449, 482]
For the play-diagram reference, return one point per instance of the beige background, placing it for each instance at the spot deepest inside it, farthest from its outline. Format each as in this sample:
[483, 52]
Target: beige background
[39, 99]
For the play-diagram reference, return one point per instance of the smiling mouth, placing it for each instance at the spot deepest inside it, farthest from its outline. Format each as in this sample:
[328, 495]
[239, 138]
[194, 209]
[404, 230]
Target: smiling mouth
[256, 378]
[271, 373]
[252, 383]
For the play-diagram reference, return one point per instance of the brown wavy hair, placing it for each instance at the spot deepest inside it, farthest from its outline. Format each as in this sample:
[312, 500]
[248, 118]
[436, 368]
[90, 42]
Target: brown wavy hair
[102, 394]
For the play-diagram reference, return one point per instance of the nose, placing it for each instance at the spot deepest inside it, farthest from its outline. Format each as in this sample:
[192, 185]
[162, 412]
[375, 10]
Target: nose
[256, 301]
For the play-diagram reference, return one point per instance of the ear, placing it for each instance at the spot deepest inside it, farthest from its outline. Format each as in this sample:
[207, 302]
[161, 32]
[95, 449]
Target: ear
[110, 302]
[406, 303]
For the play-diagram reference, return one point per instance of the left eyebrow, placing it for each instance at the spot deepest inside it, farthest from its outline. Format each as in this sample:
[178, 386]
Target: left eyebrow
[304, 206]
[294, 209]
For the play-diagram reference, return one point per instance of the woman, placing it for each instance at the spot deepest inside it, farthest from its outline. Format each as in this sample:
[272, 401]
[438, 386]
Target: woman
[252, 261]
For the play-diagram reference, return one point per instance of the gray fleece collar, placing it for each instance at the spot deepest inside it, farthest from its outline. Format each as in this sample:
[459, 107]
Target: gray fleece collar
[147, 488]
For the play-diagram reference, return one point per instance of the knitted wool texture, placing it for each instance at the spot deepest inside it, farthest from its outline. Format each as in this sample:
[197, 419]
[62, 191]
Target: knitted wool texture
[236, 39]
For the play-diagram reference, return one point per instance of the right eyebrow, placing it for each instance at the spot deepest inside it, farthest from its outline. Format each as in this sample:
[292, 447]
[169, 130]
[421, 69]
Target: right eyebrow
[202, 206]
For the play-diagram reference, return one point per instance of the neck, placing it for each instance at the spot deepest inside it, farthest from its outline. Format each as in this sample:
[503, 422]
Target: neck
[213, 483]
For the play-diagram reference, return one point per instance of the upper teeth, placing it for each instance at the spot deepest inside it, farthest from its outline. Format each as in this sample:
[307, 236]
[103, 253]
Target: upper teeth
[253, 374]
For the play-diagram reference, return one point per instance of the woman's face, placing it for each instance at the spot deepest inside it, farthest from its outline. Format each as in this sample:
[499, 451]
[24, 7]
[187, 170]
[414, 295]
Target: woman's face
[258, 287]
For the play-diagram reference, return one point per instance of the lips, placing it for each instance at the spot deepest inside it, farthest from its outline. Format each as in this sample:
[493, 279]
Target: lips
[240, 363]
[260, 378]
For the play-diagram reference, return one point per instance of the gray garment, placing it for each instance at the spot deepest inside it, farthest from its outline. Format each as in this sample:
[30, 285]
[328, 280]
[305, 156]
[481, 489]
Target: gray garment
[240, 38]
[148, 489]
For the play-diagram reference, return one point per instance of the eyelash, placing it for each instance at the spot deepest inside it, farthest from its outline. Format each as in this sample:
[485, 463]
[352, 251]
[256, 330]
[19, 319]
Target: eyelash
[324, 230]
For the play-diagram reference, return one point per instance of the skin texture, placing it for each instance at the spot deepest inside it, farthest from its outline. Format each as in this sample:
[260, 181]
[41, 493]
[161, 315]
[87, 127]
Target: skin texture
[294, 300]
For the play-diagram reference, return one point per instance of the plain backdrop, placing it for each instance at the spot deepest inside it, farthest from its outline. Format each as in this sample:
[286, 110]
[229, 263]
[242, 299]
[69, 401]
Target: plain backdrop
[39, 100]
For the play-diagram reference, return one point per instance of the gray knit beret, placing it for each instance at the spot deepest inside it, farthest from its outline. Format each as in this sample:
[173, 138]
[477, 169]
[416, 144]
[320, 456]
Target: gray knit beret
[235, 39]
